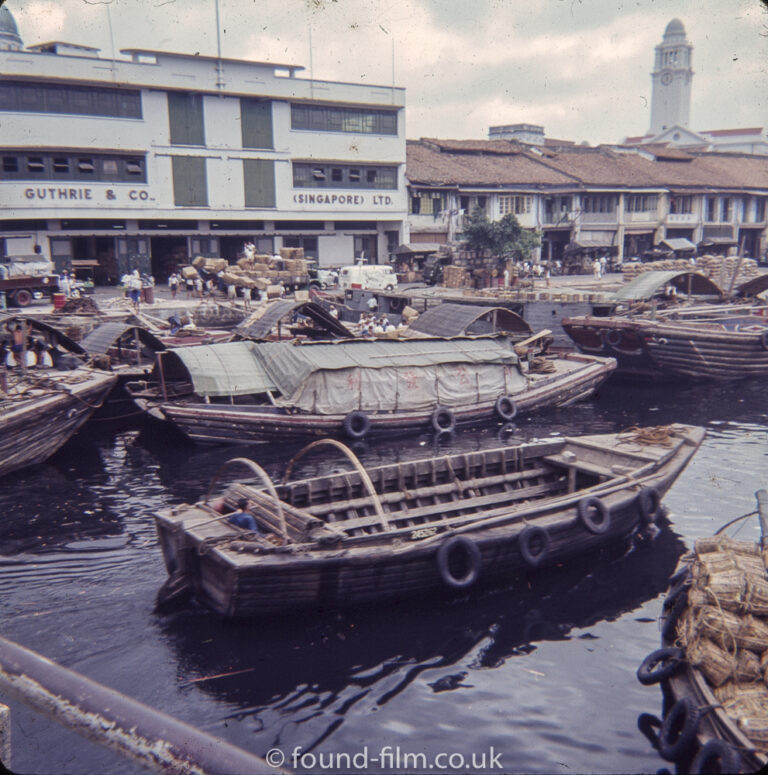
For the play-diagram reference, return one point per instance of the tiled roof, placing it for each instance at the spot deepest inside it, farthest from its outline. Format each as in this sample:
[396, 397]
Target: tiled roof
[755, 130]
[483, 163]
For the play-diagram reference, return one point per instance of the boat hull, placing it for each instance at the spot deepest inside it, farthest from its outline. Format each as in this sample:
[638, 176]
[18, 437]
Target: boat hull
[371, 568]
[225, 423]
[35, 427]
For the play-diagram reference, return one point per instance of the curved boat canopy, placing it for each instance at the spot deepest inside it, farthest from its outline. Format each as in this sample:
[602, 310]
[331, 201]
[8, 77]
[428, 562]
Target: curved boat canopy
[754, 286]
[276, 311]
[54, 334]
[648, 284]
[107, 335]
[449, 320]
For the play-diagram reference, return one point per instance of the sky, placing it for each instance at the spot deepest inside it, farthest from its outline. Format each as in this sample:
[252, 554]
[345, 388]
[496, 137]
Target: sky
[579, 68]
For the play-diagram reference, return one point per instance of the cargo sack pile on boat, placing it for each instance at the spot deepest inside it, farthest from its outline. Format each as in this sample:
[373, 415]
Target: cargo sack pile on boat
[724, 629]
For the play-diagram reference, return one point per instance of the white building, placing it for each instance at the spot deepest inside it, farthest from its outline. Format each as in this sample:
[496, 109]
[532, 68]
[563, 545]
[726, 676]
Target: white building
[157, 157]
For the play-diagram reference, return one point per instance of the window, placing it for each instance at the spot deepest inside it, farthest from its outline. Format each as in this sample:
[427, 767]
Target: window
[352, 120]
[427, 203]
[86, 166]
[515, 204]
[259, 181]
[60, 165]
[185, 116]
[760, 209]
[10, 164]
[641, 203]
[343, 176]
[598, 203]
[109, 166]
[680, 205]
[73, 100]
[35, 164]
[726, 209]
[710, 209]
[189, 181]
[134, 167]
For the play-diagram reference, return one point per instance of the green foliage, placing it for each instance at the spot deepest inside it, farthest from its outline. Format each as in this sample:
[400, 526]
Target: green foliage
[504, 238]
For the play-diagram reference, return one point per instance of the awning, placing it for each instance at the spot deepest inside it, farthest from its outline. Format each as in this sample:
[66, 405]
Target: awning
[410, 248]
[648, 284]
[717, 241]
[229, 369]
[448, 319]
[678, 243]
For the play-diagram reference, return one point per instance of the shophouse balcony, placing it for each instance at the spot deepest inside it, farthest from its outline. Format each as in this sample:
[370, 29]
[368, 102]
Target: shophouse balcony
[643, 218]
[610, 219]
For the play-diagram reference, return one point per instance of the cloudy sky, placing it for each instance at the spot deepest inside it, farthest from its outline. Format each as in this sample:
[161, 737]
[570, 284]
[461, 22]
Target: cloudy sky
[580, 68]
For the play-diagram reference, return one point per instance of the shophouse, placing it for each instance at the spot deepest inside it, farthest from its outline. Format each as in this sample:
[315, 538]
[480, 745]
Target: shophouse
[619, 201]
[156, 157]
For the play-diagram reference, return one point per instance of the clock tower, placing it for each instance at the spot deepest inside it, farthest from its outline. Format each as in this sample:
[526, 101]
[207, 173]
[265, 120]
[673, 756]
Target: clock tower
[671, 80]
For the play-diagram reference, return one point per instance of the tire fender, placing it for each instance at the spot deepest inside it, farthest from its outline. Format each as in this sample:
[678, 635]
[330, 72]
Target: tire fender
[660, 665]
[678, 730]
[594, 514]
[471, 554]
[357, 425]
[764, 340]
[506, 408]
[716, 756]
[648, 504]
[443, 419]
[534, 543]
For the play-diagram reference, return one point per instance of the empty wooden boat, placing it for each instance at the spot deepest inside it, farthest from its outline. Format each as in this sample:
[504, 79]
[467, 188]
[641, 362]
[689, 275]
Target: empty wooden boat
[421, 527]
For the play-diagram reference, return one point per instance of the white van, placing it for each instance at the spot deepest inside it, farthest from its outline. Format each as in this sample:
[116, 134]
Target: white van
[372, 277]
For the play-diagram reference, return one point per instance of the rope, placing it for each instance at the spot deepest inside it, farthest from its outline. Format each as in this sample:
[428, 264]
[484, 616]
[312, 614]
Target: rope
[541, 366]
[661, 435]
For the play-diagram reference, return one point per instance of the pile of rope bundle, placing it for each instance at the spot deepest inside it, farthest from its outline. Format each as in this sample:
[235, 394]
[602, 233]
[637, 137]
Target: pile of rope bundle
[658, 435]
[724, 629]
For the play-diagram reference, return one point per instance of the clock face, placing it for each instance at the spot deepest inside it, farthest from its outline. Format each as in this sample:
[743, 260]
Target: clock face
[666, 78]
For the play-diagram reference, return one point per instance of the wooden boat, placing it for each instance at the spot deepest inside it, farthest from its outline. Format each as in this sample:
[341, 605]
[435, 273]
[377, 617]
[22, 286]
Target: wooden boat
[714, 629]
[248, 391]
[41, 409]
[697, 343]
[416, 528]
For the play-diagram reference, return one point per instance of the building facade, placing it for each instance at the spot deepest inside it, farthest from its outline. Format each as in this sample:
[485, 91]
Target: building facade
[156, 157]
[617, 201]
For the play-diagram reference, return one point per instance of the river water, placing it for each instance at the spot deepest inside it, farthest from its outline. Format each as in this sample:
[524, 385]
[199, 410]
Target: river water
[534, 680]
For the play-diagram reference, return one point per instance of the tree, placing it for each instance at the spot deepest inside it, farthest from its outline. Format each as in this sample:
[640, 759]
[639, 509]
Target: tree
[504, 238]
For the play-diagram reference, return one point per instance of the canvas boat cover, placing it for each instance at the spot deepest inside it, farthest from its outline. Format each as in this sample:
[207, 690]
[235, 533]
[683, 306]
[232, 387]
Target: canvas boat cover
[647, 284]
[228, 369]
[385, 375]
[449, 319]
[678, 243]
[261, 327]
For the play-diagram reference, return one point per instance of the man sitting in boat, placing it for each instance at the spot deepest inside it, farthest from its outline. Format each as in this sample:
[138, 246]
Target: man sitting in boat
[243, 518]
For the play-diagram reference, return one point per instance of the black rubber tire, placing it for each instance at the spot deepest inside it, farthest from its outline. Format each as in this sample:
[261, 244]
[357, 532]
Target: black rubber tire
[668, 629]
[22, 297]
[506, 408]
[613, 337]
[529, 538]
[764, 340]
[598, 525]
[681, 588]
[357, 425]
[463, 544]
[716, 756]
[443, 419]
[660, 665]
[678, 730]
[648, 504]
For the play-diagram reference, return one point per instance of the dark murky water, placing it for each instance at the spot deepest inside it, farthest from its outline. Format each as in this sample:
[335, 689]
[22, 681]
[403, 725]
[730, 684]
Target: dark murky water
[541, 678]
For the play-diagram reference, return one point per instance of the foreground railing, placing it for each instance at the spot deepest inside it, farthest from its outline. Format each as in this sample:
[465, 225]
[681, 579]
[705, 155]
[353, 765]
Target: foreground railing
[153, 739]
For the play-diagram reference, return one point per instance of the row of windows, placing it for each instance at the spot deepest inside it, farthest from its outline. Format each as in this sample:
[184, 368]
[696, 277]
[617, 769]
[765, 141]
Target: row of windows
[110, 168]
[335, 119]
[326, 175]
[681, 205]
[515, 204]
[641, 203]
[598, 203]
[75, 100]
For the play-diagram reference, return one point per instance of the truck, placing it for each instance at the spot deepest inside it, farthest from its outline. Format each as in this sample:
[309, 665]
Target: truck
[24, 278]
[374, 277]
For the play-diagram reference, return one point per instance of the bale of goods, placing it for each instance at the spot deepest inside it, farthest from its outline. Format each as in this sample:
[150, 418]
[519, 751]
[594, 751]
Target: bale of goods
[215, 265]
[189, 272]
[291, 253]
[274, 291]
[262, 283]
[455, 277]
[409, 314]
[716, 663]
[198, 262]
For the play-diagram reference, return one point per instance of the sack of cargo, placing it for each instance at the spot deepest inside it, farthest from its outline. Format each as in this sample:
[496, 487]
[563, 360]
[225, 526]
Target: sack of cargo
[739, 591]
[261, 283]
[722, 543]
[274, 291]
[730, 631]
[198, 262]
[189, 272]
[716, 663]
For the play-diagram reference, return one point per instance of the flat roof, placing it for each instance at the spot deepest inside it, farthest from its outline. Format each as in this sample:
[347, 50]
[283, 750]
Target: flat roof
[205, 58]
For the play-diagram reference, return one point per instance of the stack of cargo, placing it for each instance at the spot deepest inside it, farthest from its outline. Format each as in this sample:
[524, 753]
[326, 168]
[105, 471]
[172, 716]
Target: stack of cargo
[721, 269]
[630, 271]
[456, 277]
